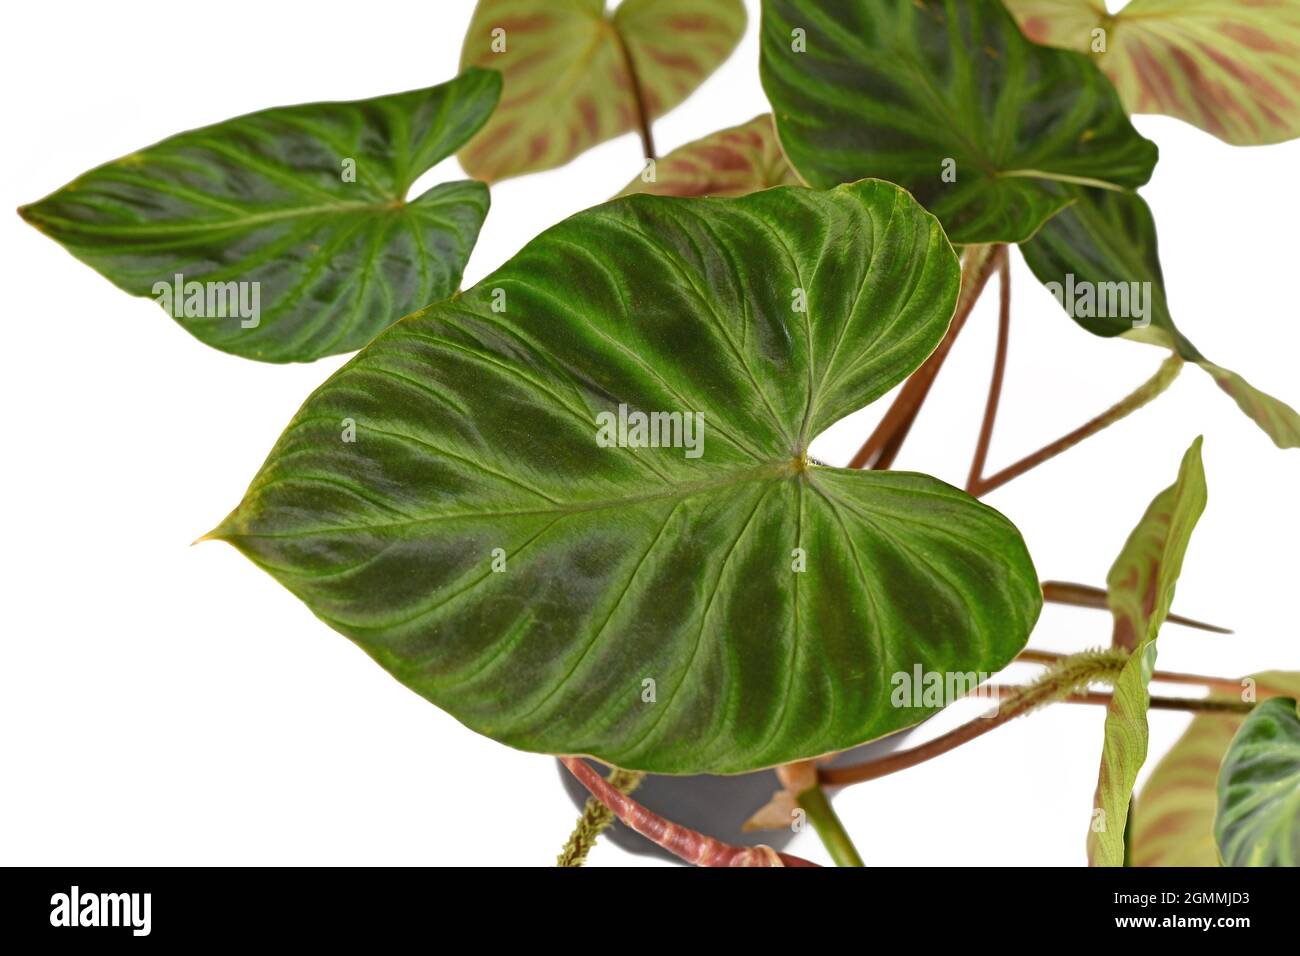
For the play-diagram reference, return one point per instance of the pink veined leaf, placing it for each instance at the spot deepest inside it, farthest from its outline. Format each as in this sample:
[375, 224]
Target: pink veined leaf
[1230, 67]
[731, 162]
[565, 65]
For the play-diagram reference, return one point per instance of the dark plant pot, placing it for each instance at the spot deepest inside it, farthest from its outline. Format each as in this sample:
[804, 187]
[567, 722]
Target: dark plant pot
[718, 806]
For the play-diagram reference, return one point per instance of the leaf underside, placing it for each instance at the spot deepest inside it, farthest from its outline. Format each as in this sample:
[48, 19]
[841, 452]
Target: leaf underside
[906, 90]
[1226, 66]
[262, 200]
[731, 162]
[567, 86]
[649, 608]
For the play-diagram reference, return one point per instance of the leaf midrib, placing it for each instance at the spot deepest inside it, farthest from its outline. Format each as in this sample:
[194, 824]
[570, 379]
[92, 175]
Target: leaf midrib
[166, 229]
[769, 471]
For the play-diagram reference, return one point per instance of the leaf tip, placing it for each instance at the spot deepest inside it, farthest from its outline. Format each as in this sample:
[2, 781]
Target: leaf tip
[222, 532]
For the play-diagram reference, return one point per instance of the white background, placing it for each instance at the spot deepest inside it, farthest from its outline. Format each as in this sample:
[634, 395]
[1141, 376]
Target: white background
[162, 704]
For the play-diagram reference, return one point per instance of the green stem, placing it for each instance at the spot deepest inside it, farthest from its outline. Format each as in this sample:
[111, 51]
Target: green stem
[828, 827]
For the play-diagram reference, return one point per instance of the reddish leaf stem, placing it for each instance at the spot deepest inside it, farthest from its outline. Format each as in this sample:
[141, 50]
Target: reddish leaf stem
[999, 372]
[1015, 702]
[882, 446]
[691, 845]
[640, 106]
[1200, 705]
[1147, 391]
[1085, 595]
[1225, 684]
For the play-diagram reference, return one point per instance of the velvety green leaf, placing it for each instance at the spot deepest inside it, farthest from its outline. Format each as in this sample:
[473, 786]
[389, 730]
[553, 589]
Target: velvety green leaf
[262, 207]
[565, 63]
[731, 162]
[1141, 585]
[1226, 66]
[901, 89]
[1258, 822]
[1104, 247]
[1043, 153]
[656, 609]
[1173, 823]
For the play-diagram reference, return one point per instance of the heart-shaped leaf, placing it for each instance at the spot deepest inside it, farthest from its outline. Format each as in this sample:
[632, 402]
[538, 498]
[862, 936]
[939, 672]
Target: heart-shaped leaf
[947, 98]
[1173, 822]
[1002, 142]
[1258, 822]
[1141, 586]
[286, 235]
[574, 73]
[1100, 259]
[1226, 66]
[730, 162]
[577, 510]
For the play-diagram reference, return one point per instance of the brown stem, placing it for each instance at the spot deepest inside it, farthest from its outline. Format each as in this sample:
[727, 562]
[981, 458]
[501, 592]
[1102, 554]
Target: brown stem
[1016, 701]
[641, 107]
[902, 759]
[1085, 595]
[882, 446]
[999, 371]
[691, 845]
[1167, 372]
[1226, 684]
[1199, 705]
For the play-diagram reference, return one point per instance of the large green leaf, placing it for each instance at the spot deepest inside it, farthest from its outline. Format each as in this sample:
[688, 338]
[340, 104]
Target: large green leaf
[660, 610]
[1173, 822]
[1226, 66]
[1141, 585]
[1258, 823]
[1105, 244]
[566, 68]
[300, 210]
[731, 162]
[903, 89]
